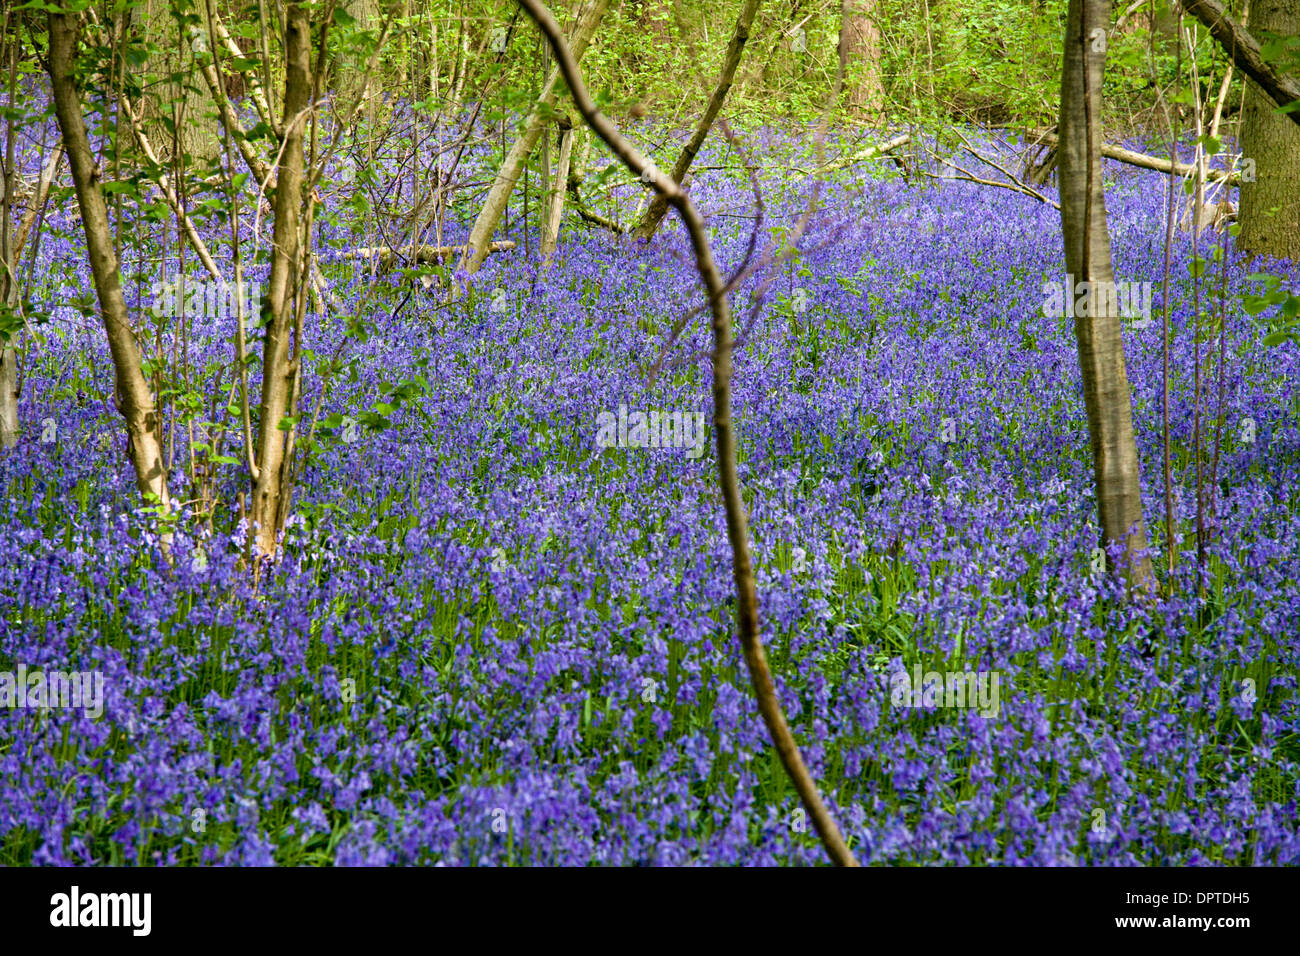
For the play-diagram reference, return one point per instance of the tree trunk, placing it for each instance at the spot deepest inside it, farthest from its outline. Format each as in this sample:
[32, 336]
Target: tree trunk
[9, 280]
[11, 251]
[198, 133]
[1270, 205]
[386, 257]
[860, 52]
[739, 37]
[511, 169]
[39, 201]
[260, 168]
[134, 398]
[8, 398]
[1087, 258]
[282, 286]
[551, 232]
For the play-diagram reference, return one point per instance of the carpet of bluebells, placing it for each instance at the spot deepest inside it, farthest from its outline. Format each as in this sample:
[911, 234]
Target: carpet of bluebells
[490, 641]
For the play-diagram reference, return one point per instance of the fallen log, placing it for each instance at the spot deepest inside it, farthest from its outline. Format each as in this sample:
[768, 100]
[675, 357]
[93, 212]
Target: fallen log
[1043, 137]
[387, 257]
[585, 214]
[861, 156]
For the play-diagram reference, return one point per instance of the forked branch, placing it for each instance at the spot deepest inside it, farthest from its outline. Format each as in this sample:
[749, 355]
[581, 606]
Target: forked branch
[737, 521]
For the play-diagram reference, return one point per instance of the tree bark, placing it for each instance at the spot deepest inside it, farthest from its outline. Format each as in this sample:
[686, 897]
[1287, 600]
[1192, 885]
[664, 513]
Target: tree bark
[860, 46]
[260, 169]
[279, 305]
[512, 168]
[164, 183]
[253, 84]
[39, 200]
[551, 232]
[1270, 204]
[229, 118]
[8, 257]
[654, 215]
[1087, 258]
[8, 397]
[134, 399]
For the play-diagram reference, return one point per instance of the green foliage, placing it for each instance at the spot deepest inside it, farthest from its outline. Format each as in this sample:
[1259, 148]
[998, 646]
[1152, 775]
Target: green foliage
[1286, 324]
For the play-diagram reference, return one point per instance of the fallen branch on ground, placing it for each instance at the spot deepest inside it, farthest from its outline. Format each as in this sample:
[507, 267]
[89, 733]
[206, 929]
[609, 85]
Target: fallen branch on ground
[861, 156]
[968, 178]
[1048, 138]
[387, 257]
[1014, 184]
[586, 215]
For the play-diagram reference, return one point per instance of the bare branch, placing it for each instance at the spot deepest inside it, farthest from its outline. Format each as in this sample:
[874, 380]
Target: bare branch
[737, 520]
[1238, 43]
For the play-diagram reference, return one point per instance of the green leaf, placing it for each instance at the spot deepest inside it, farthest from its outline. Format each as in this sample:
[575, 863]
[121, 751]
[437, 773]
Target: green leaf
[1212, 144]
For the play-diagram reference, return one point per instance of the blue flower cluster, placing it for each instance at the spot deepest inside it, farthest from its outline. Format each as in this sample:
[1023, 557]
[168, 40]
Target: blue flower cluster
[492, 640]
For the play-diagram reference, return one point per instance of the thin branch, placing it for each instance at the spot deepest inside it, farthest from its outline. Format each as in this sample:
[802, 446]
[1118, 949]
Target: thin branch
[737, 520]
[1245, 52]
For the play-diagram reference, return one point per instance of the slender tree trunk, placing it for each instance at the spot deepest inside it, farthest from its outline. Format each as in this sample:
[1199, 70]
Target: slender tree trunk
[654, 215]
[41, 198]
[260, 169]
[860, 50]
[1087, 258]
[134, 399]
[185, 223]
[11, 251]
[9, 278]
[249, 80]
[8, 398]
[282, 292]
[513, 166]
[200, 132]
[551, 232]
[1270, 205]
